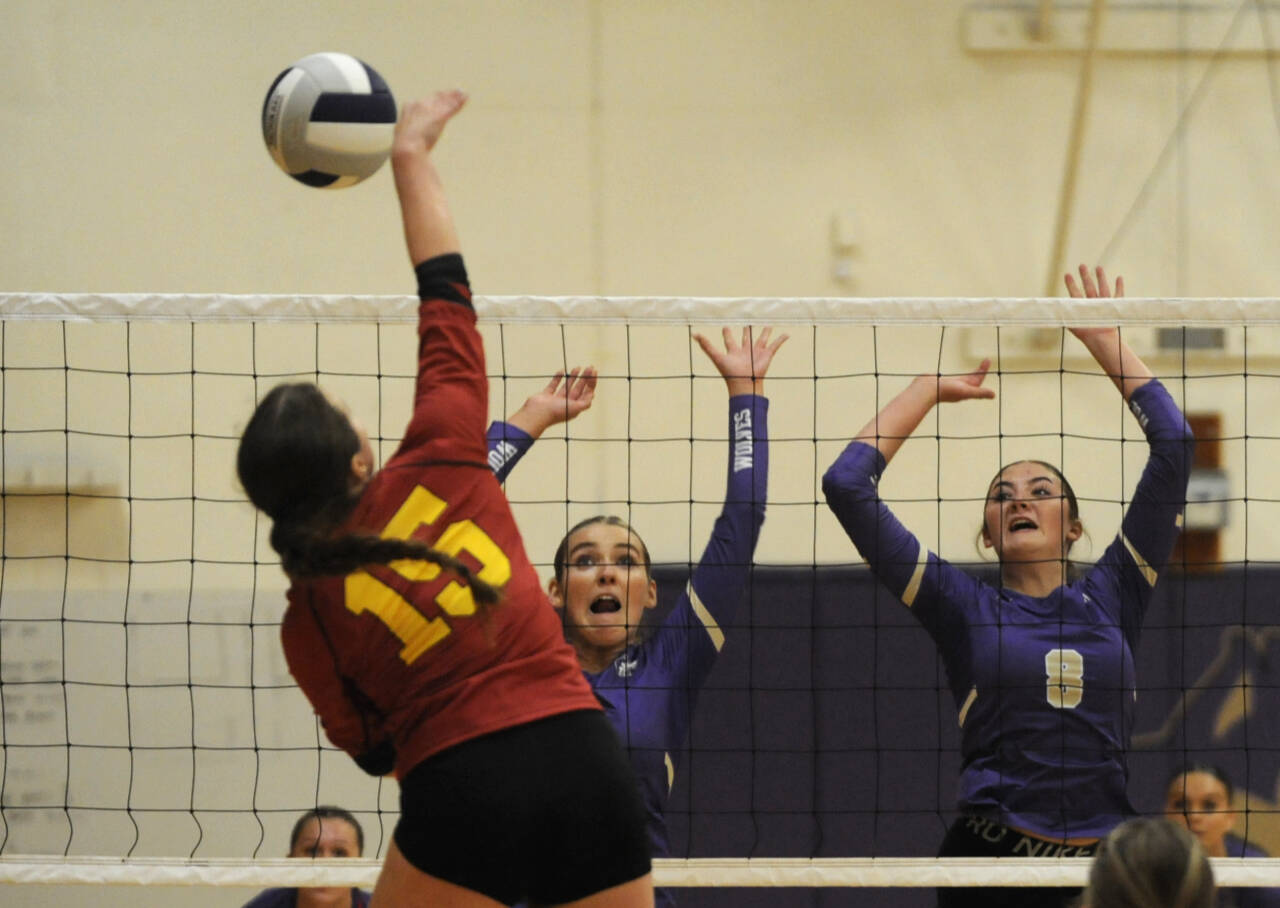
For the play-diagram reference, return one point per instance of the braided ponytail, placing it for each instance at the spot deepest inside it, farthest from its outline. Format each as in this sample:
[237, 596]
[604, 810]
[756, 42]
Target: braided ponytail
[344, 554]
[294, 462]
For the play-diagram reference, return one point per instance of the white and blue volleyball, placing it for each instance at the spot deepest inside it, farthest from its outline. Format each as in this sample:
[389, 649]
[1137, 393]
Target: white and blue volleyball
[328, 120]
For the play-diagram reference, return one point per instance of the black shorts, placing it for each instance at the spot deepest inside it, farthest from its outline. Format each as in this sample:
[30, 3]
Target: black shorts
[978, 837]
[549, 811]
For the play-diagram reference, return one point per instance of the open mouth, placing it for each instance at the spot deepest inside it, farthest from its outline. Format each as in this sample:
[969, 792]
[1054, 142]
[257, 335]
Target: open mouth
[605, 605]
[1020, 524]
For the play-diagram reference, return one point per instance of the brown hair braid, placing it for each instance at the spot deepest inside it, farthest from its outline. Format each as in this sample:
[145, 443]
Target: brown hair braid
[294, 462]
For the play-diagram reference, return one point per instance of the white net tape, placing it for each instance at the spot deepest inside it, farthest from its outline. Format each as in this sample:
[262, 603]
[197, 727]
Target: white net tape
[691, 873]
[1009, 312]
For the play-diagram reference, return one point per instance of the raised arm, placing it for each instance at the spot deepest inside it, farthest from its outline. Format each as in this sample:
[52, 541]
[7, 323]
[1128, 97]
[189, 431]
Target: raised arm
[923, 582]
[743, 364]
[451, 396]
[719, 581]
[894, 424]
[428, 224]
[561, 400]
[1126, 368]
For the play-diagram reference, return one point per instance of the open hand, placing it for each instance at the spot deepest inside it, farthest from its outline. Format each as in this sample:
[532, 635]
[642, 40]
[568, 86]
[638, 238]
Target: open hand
[952, 388]
[422, 121]
[565, 397]
[743, 363]
[1092, 288]
[561, 400]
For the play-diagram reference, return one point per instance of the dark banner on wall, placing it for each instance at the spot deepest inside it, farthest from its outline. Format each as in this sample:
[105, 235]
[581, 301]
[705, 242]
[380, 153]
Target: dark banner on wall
[827, 729]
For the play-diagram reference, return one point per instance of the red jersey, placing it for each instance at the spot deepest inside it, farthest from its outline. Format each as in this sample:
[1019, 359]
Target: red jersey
[398, 655]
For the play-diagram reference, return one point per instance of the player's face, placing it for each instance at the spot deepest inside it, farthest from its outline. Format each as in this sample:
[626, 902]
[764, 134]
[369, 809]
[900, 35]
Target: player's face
[330, 837]
[1199, 801]
[606, 588]
[1027, 515]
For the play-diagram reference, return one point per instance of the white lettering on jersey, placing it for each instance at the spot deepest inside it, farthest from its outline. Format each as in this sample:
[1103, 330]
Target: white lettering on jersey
[499, 456]
[743, 443]
[1143, 419]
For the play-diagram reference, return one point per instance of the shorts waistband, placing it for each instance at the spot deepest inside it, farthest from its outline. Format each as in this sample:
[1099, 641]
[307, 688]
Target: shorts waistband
[1016, 843]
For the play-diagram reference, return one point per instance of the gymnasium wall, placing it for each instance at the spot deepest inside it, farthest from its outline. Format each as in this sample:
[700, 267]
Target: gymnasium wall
[691, 148]
[700, 148]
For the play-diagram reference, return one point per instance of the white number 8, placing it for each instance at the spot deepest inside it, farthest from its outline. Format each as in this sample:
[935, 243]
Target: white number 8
[1064, 669]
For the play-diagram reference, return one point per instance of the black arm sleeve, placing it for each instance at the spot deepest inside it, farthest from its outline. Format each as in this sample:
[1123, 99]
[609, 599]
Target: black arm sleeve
[444, 278]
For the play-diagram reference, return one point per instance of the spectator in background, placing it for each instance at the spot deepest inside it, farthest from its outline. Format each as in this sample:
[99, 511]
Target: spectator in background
[323, 832]
[1199, 797]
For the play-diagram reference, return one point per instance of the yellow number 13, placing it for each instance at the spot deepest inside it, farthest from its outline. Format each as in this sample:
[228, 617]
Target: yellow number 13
[365, 593]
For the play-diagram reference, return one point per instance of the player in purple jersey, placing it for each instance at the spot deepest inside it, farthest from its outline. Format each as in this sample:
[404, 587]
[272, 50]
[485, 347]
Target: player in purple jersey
[1041, 669]
[649, 681]
[1199, 797]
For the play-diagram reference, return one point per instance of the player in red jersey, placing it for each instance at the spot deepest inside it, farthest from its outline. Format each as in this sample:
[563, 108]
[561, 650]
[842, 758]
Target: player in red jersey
[416, 625]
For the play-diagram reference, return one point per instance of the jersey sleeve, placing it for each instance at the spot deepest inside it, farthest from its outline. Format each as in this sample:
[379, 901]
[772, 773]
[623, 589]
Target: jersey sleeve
[350, 721]
[694, 633]
[1153, 518]
[920, 579]
[451, 394]
[507, 444]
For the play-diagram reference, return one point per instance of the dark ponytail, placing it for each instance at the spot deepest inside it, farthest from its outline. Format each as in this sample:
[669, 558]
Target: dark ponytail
[320, 556]
[1209, 769]
[294, 462]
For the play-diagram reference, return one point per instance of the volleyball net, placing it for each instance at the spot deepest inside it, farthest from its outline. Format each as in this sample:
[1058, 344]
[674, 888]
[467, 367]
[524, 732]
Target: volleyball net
[150, 732]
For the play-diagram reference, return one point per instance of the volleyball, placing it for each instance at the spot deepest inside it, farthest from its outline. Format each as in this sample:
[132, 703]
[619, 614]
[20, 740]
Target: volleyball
[328, 119]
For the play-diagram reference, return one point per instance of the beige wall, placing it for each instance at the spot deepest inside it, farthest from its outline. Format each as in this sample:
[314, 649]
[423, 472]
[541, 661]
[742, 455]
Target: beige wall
[690, 148]
[694, 148]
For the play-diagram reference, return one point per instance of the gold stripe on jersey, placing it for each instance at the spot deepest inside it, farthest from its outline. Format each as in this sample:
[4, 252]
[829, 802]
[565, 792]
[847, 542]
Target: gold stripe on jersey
[713, 629]
[968, 701]
[1148, 572]
[913, 585]
[671, 771]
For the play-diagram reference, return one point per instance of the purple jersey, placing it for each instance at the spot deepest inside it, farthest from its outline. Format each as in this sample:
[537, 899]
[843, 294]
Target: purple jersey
[1247, 896]
[650, 690]
[288, 898]
[1044, 687]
